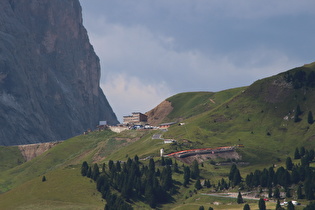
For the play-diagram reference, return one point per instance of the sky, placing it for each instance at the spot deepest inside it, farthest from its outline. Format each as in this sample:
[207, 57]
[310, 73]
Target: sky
[150, 50]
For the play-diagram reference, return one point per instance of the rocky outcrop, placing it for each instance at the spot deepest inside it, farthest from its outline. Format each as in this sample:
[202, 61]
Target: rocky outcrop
[49, 73]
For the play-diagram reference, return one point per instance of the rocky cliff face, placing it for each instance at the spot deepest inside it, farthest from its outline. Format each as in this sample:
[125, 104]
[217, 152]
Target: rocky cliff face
[49, 73]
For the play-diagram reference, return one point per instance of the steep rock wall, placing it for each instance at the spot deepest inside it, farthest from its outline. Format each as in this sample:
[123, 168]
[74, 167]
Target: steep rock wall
[49, 73]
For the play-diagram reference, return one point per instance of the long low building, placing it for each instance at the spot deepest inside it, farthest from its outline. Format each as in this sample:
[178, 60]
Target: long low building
[191, 152]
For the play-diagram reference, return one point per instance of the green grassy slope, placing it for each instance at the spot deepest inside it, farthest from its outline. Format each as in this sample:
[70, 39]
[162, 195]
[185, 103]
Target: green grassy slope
[64, 189]
[190, 104]
[256, 118]
[10, 157]
[70, 152]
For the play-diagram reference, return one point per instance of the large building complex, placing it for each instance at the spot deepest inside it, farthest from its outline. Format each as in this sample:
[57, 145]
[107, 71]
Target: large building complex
[135, 118]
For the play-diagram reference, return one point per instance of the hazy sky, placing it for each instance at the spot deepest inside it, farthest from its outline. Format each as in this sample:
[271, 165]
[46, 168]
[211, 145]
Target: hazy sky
[152, 49]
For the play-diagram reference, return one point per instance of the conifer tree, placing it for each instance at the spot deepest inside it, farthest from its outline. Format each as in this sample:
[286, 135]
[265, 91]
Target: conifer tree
[232, 171]
[152, 166]
[261, 204]
[84, 168]
[310, 119]
[278, 206]
[299, 192]
[103, 168]
[276, 193]
[176, 170]
[195, 170]
[297, 154]
[290, 206]
[44, 179]
[246, 207]
[89, 173]
[136, 158]
[95, 172]
[289, 164]
[118, 167]
[198, 184]
[162, 161]
[239, 198]
[302, 151]
[186, 175]
[201, 208]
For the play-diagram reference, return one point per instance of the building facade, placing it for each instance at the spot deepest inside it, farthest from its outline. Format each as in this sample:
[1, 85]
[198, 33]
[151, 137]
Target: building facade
[135, 118]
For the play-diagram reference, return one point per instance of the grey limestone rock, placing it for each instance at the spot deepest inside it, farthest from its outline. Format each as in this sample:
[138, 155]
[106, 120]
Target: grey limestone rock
[49, 73]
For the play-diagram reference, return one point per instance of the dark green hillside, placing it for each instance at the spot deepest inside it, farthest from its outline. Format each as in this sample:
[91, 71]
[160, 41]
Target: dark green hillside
[262, 117]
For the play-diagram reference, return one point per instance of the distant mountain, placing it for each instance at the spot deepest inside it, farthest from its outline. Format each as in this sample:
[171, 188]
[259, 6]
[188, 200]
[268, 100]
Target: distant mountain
[49, 73]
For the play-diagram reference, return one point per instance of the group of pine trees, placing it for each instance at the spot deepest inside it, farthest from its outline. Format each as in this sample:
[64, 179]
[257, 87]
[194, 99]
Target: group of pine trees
[154, 185]
[134, 181]
[298, 112]
[300, 174]
[301, 78]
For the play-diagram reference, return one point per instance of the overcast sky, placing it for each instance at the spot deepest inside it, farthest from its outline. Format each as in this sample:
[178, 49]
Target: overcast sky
[152, 49]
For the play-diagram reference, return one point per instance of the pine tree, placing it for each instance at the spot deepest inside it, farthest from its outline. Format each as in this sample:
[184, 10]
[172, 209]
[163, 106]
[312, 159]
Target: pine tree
[186, 175]
[84, 168]
[302, 151]
[95, 172]
[44, 179]
[232, 171]
[299, 192]
[276, 193]
[239, 198]
[103, 168]
[89, 173]
[198, 184]
[287, 193]
[201, 208]
[289, 163]
[136, 158]
[246, 207]
[290, 206]
[261, 204]
[118, 167]
[310, 119]
[236, 178]
[152, 166]
[195, 170]
[278, 206]
[297, 154]
[176, 170]
[298, 112]
[162, 161]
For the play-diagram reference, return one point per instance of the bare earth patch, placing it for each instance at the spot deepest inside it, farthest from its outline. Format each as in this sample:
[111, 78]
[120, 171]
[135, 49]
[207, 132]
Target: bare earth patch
[159, 113]
[30, 151]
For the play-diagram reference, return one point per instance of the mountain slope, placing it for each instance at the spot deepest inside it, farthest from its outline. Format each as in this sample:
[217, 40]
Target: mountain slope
[49, 73]
[261, 118]
[184, 105]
